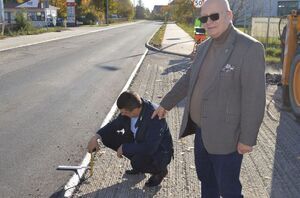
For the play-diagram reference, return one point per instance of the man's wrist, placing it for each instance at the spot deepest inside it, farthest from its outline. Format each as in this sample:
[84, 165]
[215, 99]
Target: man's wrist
[97, 136]
[99, 140]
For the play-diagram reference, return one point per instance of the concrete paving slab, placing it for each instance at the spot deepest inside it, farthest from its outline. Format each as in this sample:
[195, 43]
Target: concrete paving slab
[176, 40]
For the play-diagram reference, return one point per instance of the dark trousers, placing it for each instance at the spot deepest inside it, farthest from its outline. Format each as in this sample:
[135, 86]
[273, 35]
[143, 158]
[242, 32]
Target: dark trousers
[141, 163]
[219, 174]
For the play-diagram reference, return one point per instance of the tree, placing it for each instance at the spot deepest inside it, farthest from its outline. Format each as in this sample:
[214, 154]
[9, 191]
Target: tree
[125, 9]
[244, 10]
[140, 3]
[182, 11]
[61, 4]
[140, 10]
[147, 13]
[89, 12]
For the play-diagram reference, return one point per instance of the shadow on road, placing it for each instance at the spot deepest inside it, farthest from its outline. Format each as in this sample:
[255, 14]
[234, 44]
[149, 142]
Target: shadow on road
[178, 65]
[109, 68]
[128, 186]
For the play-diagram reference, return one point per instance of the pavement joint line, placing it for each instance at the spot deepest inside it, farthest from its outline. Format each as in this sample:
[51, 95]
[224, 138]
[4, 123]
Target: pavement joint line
[75, 179]
[65, 37]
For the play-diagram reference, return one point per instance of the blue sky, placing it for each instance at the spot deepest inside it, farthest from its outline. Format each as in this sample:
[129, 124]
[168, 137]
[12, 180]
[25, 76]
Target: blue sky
[150, 3]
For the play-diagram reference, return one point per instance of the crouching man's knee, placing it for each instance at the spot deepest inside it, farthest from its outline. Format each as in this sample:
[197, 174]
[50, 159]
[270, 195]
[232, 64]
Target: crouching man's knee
[143, 163]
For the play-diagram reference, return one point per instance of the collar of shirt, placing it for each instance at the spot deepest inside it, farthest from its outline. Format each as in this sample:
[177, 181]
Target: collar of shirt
[132, 125]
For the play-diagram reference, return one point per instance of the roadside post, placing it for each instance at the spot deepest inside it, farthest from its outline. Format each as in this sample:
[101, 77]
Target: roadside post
[199, 31]
[2, 19]
[71, 20]
[106, 12]
[197, 3]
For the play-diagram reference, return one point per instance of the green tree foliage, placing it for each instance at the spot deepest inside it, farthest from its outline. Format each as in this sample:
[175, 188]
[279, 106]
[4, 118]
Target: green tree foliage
[22, 23]
[125, 9]
[88, 12]
[182, 11]
[147, 13]
[61, 4]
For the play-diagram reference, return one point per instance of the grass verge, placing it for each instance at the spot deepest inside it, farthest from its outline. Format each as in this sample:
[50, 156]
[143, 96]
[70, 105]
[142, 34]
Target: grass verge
[158, 37]
[33, 31]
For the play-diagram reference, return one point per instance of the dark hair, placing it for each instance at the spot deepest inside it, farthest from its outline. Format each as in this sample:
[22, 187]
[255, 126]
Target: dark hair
[129, 100]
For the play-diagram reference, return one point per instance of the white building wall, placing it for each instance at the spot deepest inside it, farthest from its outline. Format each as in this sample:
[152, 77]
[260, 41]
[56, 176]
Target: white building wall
[260, 25]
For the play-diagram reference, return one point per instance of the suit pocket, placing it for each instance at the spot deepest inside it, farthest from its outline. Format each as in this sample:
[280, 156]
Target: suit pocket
[226, 79]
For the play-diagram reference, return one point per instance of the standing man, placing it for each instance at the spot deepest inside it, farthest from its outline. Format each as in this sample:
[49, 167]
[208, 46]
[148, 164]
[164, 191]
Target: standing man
[225, 90]
[146, 142]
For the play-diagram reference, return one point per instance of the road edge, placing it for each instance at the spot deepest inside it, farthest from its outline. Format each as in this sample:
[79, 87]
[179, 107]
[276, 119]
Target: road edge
[75, 179]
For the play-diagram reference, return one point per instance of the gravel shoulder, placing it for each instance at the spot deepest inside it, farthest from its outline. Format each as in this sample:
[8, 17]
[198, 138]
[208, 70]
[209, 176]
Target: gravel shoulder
[271, 170]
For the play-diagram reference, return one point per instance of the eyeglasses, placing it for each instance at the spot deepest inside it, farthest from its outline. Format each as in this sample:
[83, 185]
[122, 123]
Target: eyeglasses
[213, 17]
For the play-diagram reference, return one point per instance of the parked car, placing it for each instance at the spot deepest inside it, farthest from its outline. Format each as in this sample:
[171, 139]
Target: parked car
[51, 22]
[59, 22]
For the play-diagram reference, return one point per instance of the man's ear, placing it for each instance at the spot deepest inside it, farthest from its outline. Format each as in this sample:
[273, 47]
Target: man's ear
[229, 15]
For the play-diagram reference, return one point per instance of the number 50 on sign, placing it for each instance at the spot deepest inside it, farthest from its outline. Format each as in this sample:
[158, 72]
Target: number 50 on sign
[197, 3]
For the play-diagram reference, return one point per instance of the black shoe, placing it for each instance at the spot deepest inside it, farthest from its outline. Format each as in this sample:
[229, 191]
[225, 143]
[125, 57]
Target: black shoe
[156, 179]
[132, 172]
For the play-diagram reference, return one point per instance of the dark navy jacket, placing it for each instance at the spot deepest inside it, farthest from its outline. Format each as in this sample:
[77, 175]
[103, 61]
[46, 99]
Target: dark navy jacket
[152, 138]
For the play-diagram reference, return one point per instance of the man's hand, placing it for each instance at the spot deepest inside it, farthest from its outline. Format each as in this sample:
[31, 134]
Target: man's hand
[160, 112]
[120, 152]
[93, 144]
[243, 148]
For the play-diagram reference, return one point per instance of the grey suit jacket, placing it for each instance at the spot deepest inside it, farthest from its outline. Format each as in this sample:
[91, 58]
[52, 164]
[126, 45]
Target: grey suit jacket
[232, 107]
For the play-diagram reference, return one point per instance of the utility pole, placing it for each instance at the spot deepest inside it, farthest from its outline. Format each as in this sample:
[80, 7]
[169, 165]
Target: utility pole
[106, 12]
[245, 17]
[134, 10]
[268, 26]
[2, 20]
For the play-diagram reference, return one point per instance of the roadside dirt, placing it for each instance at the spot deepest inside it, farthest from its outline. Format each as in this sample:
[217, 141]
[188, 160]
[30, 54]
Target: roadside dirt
[271, 170]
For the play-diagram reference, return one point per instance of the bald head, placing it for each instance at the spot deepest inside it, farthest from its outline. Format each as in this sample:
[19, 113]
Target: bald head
[215, 26]
[222, 4]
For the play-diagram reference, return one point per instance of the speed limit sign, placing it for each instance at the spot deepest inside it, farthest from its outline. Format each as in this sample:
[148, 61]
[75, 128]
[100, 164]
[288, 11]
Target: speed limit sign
[197, 3]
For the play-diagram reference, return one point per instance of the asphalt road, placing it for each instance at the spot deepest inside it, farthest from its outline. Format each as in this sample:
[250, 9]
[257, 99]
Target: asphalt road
[53, 98]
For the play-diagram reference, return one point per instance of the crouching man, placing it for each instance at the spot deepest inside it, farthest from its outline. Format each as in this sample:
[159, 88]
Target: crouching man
[146, 142]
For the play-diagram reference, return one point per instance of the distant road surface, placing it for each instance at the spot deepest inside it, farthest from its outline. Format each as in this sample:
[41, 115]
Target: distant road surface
[53, 98]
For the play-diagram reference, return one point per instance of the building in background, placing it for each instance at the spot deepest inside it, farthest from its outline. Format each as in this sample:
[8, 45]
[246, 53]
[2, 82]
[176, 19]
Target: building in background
[39, 13]
[272, 8]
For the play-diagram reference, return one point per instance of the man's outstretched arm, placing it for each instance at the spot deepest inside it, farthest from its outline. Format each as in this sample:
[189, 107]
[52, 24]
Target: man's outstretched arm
[174, 96]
